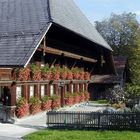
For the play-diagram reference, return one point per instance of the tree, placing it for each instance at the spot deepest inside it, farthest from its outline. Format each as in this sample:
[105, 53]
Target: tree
[120, 31]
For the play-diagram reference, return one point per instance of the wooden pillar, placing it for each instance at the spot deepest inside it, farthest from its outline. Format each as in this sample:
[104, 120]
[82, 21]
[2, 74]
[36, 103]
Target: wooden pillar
[25, 89]
[75, 87]
[47, 87]
[56, 89]
[37, 91]
[62, 93]
[13, 95]
[13, 100]
[80, 87]
[70, 88]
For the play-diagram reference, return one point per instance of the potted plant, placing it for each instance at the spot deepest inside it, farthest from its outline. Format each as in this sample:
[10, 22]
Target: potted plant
[63, 73]
[82, 96]
[35, 105]
[76, 74]
[55, 72]
[36, 72]
[55, 102]
[82, 74]
[76, 98]
[69, 99]
[46, 73]
[24, 74]
[46, 103]
[86, 96]
[22, 107]
[69, 75]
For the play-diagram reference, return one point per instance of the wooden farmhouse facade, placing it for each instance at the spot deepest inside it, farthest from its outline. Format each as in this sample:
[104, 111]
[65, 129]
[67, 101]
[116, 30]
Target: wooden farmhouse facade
[48, 47]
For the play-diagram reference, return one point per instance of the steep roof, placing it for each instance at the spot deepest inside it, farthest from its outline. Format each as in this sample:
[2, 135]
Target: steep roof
[23, 23]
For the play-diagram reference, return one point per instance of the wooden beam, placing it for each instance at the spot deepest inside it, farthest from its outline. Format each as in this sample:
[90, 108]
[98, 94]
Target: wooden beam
[68, 54]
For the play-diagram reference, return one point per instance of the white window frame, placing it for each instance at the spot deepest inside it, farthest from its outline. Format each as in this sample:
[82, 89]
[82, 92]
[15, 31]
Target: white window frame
[18, 92]
[51, 90]
[42, 90]
[31, 91]
[72, 88]
[83, 87]
[78, 88]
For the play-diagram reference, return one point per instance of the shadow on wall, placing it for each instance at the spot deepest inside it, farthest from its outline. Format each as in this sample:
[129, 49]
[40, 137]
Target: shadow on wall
[98, 91]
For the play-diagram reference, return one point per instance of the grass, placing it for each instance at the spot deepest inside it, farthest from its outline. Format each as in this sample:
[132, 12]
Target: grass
[100, 102]
[83, 135]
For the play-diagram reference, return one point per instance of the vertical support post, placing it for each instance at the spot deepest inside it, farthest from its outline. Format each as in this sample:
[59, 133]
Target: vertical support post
[37, 91]
[56, 89]
[48, 90]
[70, 88]
[25, 92]
[12, 99]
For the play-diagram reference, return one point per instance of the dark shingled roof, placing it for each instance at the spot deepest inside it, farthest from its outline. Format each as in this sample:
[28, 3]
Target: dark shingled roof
[23, 23]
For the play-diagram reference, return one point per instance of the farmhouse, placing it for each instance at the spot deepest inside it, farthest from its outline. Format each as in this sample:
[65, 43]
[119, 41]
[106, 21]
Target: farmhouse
[48, 47]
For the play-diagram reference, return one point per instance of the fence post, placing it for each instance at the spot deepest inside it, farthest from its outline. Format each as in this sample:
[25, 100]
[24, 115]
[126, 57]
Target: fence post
[98, 120]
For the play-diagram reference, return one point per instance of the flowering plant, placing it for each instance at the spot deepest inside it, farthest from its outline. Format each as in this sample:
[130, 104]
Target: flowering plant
[22, 107]
[35, 105]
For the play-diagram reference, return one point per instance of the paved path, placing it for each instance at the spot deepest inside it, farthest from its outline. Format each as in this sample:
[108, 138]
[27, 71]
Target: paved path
[23, 127]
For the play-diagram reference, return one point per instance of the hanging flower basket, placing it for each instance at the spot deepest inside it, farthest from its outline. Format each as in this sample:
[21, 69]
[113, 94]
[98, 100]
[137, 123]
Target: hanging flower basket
[69, 75]
[24, 74]
[47, 76]
[35, 72]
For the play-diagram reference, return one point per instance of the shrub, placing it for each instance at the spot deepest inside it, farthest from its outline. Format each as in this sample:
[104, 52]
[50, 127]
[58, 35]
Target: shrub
[115, 95]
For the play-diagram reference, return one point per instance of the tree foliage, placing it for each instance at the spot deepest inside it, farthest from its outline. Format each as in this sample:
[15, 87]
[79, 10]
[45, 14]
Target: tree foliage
[122, 32]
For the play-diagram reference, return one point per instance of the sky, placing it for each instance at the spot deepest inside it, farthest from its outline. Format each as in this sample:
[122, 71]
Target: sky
[97, 10]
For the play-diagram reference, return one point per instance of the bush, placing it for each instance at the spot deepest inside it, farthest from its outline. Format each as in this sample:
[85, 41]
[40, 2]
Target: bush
[115, 95]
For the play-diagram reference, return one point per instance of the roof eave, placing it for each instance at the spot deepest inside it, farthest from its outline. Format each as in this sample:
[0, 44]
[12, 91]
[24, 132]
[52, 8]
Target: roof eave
[81, 35]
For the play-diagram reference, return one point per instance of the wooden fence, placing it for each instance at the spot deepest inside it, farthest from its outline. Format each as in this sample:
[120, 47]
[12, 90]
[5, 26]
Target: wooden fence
[93, 120]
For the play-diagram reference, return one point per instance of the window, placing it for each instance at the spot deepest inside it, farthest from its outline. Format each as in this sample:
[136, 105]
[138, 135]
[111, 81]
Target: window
[83, 87]
[18, 92]
[51, 90]
[67, 88]
[72, 88]
[78, 88]
[42, 90]
[31, 91]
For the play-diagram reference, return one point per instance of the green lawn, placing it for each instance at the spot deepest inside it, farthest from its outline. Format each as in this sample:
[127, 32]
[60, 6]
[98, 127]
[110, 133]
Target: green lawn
[100, 102]
[83, 135]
